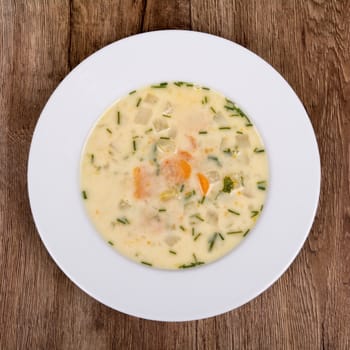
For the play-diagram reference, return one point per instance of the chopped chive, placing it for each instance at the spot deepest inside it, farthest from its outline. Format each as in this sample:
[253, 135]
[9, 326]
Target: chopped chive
[202, 200]
[132, 92]
[246, 232]
[138, 102]
[164, 138]
[92, 158]
[146, 263]
[197, 216]
[259, 150]
[83, 193]
[109, 130]
[229, 101]
[262, 207]
[230, 108]
[178, 83]
[202, 132]
[197, 236]
[212, 109]
[172, 252]
[254, 213]
[192, 231]
[160, 86]
[233, 232]
[189, 84]
[221, 236]
[227, 151]
[212, 241]
[215, 159]
[166, 115]
[161, 210]
[190, 194]
[239, 132]
[182, 228]
[134, 145]
[205, 100]
[149, 130]
[225, 128]
[118, 117]
[233, 212]
[261, 185]
[123, 221]
[182, 187]
[205, 88]
[110, 242]
[242, 180]
[193, 264]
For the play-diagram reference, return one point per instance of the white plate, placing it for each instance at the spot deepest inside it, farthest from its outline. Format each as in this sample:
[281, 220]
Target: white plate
[53, 175]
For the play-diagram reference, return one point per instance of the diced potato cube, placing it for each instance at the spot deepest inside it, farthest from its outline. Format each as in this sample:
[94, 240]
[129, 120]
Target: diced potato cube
[143, 115]
[242, 141]
[160, 124]
[150, 98]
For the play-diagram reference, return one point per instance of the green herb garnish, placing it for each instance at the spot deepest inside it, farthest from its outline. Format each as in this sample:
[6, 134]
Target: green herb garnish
[261, 185]
[202, 132]
[164, 138]
[233, 212]
[109, 130]
[205, 88]
[110, 242]
[134, 145]
[132, 92]
[221, 236]
[225, 128]
[197, 236]
[254, 213]
[146, 263]
[212, 109]
[182, 228]
[160, 86]
[123, 221]
[172, 252]
[246, 232]
[92, 158]
[227, 184]
[212, 241]
[233, 232]
[215, 159]
[83, 193]
[166, 115]
[138, 102]
[149, 130]
[182, 187]
[197, 216]
[258, 150]
[161, 210]
[118, 117]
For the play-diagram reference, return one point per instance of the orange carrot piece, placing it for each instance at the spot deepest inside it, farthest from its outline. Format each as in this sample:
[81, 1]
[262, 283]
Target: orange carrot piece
[192, 141]
[185, 155]
[140, 190]
[185, 169]
[204, 182]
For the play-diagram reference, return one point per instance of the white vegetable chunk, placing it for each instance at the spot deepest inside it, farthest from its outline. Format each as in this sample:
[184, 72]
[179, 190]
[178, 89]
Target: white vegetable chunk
[160, 124]
[151, 99]
[143, 115]
[242, 141]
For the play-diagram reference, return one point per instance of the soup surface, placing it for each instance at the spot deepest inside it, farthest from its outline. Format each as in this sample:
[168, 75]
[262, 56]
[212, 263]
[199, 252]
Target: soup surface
[174, 175]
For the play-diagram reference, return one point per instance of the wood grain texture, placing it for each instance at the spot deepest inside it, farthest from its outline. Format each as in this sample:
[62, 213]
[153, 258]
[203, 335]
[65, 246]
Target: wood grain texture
[307, 41]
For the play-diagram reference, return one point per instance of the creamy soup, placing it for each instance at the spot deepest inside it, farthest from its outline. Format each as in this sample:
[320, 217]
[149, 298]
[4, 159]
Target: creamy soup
[174, 175]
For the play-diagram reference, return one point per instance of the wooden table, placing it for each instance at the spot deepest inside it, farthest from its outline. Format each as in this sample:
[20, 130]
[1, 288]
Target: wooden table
[307, 41]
